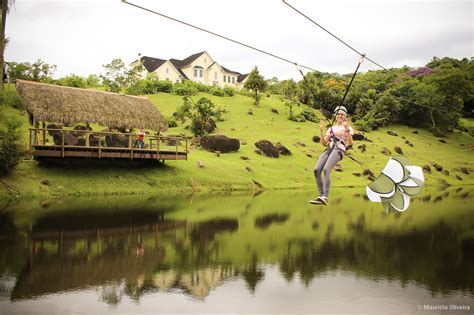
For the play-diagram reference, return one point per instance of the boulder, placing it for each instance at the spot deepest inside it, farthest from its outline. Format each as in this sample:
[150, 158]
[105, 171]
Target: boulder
[243, 142]
[442, 140]
[316, 139]
[367, 172]
[249, 112]
[358, 136]
[245, 158]
[267, 148]
[248, 169]
[362, 147]
[392, 133]
[446, 172]
[386, 151]
[415, 131]
[356, 174]
[464, 170]
[438, 167]
[309, 155]
[258, 151]
[274, 110]
[45, 182]
[338, 168]
[220, 143]
[200, 164]
[427, 169]
[398, 150]
[210, 125]
[282, 149]
[458, 177]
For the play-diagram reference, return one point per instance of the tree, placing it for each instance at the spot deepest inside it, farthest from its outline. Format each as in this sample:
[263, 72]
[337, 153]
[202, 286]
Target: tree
[256, 83]
[115, 77]
[38, 71]
[5, 5]
[290, 91]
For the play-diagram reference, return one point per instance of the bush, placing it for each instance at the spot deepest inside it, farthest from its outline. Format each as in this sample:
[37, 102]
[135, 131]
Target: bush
[228, 91]
[11, 98]
[172, 123]
[11, 148]
[73, 81]
[309, 115]
[217, 91]
[185, 88]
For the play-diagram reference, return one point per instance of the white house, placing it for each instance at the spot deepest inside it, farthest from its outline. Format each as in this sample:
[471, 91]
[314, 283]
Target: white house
[199, 67]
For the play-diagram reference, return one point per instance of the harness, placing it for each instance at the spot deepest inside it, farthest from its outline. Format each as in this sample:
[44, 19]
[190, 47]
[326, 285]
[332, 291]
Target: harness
[333, 144]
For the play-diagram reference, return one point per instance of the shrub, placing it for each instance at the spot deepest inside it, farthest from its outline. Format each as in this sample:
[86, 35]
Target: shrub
[11, 148]
[185, 88]
[309, 115]
[217, 91]
[11, 98]
[228, 91]
[172, 123]
[73, 81]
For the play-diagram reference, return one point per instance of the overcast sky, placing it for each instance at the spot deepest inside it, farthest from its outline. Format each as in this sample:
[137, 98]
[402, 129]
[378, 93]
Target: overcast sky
[79, 36]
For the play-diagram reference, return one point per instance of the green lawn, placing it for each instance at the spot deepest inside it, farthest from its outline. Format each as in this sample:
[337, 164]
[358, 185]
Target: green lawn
[229, 172]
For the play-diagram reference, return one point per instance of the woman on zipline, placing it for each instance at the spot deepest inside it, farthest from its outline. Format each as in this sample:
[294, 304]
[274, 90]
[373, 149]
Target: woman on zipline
[337, 138]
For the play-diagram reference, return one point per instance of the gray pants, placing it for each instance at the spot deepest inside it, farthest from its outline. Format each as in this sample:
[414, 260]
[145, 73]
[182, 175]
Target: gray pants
[326, 162]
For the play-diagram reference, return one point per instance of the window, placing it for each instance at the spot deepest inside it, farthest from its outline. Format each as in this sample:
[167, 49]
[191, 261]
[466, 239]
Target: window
[224, 78]
[233, 79]
[200, 73]
[195, 72]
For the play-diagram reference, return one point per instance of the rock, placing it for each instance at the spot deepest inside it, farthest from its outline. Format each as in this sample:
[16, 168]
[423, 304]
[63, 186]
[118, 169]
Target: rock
[46, 182]
[386, 151]
[410, 144]
[220, 143]
[282, 149]
[248, 169]
[442, 140]
[257, 184]
[415, 131]
[200, 164]
[464, 170]
[245, 158]
[367, 172]
[274, 110]
[358, 136]
[309, 155]
[407, 142]
[301, 144]
[403, 137]
[438, 167]
[446, 172]
[249, 112]
[258, 151]
[218, 153]
[243, 142]
[338, 168]
[362, 148]
[316, 139]
[392, 133]
[398, 150]
[427, 169]
[458, 177]
[356, 174]
[268, 148]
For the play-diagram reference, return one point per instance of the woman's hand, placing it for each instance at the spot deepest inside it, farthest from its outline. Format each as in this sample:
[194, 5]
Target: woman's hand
[346, 125]
[321, 126]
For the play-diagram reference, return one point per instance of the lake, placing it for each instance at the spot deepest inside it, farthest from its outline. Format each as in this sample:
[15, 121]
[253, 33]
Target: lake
[266, 253]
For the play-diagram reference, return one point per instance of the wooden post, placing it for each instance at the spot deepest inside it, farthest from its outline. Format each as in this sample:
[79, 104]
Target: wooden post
[87, 139]
[177, 141]
[186, 149]
[130, 145]
[44, 133]
[158, 147]
[29, 143]
[100, 143]
[62, 143]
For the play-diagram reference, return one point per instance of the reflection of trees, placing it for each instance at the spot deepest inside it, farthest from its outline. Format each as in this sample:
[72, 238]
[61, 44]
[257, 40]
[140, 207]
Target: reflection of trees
[435, 258]
[252, 274]
[265, 221]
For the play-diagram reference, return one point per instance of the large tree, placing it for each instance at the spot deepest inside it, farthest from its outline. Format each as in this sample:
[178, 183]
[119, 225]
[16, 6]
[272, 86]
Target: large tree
[256, 83]
[5, 5]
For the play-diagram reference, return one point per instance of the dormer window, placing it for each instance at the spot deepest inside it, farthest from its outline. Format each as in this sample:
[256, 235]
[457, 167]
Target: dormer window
[233, 79]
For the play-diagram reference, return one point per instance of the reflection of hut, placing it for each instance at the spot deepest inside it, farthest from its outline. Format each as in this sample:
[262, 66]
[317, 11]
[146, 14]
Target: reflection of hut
[67, 105]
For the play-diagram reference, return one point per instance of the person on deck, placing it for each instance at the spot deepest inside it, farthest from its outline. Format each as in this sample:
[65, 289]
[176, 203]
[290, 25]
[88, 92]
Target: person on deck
[141, 139]
[337, 139]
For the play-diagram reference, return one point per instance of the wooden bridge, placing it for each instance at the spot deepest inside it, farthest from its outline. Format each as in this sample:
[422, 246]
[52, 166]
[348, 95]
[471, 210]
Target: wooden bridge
[61, 143]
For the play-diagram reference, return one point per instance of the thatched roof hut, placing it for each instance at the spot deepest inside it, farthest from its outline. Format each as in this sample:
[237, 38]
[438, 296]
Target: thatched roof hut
[67, 105]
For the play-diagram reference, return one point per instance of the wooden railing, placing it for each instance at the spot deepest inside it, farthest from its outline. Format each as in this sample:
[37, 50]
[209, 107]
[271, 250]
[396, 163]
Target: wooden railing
[103, 141]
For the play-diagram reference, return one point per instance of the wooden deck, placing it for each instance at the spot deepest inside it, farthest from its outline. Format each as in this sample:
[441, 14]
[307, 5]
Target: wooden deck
[93, 145]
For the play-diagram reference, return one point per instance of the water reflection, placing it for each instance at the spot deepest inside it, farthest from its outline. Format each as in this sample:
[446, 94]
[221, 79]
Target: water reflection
[136, 248]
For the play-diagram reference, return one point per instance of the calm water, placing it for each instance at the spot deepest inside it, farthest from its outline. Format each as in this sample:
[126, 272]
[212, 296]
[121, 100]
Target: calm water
[270, 253]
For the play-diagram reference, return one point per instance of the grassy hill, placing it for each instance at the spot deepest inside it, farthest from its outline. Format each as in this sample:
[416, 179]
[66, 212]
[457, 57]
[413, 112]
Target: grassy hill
[229, 172]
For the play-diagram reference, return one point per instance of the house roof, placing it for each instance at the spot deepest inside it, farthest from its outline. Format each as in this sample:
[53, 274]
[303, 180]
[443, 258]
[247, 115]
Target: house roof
[60, 104]
[187, 61]
[230, 71]
[178, 65]
[242, 77]
[151, 64]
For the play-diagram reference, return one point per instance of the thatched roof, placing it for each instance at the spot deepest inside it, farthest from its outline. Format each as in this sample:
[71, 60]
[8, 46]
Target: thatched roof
[67, 105]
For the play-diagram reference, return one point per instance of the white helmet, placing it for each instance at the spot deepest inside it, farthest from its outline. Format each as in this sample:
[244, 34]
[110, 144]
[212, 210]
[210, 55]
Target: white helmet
[340, 109]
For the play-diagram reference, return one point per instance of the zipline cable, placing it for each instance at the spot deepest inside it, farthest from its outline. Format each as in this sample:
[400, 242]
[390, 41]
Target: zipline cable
[218, 35]
[362, 55]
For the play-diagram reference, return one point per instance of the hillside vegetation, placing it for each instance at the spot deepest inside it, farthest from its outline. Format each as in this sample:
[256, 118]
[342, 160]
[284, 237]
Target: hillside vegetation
[229, 171]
